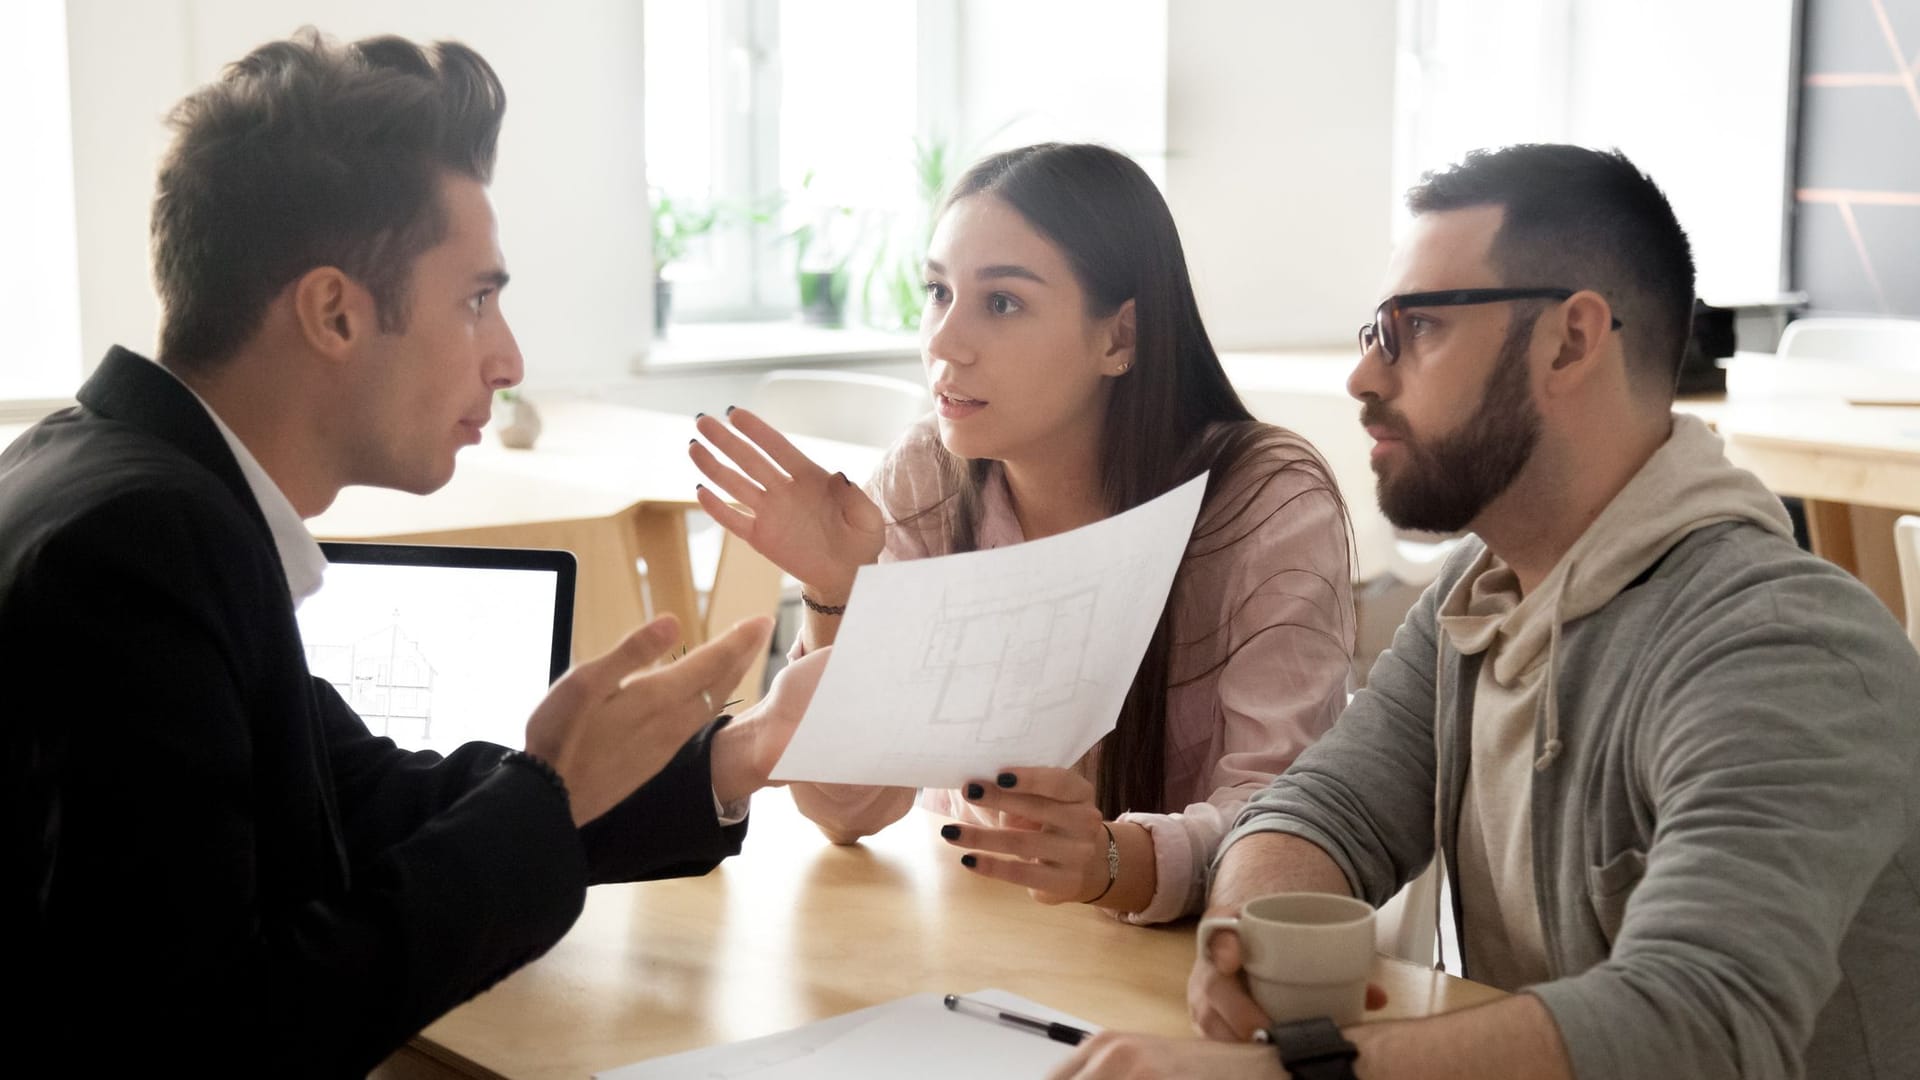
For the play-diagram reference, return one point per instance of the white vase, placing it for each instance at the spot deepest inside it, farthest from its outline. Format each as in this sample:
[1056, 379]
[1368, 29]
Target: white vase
[522, 426]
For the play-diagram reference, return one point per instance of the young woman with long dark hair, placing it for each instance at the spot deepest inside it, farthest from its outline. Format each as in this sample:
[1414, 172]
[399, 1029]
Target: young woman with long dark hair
[1073, 380]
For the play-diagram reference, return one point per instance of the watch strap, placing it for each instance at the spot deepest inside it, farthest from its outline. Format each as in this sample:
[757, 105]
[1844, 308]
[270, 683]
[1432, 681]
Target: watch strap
[1314, 1049]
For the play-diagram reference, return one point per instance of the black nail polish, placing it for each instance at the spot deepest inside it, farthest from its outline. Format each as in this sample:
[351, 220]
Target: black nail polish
[950, 832]
[698, 415]
[699, 487]
[693, 442]
[1005, 779]
[729, 410]
[969, 861]
[975, 791]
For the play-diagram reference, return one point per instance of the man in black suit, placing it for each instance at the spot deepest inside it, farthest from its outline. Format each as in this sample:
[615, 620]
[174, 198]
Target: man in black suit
[210, 859]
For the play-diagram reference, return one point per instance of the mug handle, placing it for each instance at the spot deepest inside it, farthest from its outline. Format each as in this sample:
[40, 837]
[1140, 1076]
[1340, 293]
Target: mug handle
[1210, 927]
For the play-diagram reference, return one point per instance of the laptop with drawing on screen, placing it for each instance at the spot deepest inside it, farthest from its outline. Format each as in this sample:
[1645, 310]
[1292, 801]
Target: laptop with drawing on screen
[435, 646]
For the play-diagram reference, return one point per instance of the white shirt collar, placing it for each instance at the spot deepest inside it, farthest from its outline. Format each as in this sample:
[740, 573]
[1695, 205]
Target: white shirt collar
[300, 556]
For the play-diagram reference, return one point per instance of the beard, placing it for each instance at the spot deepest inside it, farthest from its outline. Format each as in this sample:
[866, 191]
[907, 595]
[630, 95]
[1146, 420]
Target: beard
[1446, 482]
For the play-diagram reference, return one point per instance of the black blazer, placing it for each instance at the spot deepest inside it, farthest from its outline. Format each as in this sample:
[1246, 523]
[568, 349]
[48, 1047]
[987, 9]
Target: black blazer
[210, 860]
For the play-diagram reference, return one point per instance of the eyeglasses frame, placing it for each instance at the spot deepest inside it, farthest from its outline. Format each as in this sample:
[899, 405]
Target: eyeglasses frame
[1380, 330]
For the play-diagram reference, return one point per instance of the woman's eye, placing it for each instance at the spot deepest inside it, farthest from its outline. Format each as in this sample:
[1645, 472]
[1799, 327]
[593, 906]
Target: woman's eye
[478, 302]
[935, 291]
[1418, 324]
[1002, 304]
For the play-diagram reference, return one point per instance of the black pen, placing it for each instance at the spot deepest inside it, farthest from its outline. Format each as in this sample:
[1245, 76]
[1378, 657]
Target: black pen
[1065, 1033]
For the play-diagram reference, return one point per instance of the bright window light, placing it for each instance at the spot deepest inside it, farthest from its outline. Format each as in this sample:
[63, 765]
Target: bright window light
[39, 275]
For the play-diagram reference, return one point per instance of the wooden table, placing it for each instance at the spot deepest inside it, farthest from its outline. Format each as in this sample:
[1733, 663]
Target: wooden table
[795, 929]
[1856, 466]
[609, 483]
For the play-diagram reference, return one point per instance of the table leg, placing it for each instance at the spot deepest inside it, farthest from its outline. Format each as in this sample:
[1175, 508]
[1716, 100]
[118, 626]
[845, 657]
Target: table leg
[1830, 527]
[660, 539]
[745, 584]
[1859, 540]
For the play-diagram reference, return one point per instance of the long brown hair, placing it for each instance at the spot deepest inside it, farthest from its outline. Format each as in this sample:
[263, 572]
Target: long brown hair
[1172, 416]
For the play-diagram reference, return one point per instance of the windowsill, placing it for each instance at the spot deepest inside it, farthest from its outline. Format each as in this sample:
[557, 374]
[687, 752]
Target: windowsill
[22, 412]
[708, 347]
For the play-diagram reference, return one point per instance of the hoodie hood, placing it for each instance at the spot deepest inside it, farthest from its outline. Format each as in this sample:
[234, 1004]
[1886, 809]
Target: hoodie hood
[1686, 485]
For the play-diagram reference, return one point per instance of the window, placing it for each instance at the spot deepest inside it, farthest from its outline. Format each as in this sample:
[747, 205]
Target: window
[1697, 94]
[793, 123]
[39, 276]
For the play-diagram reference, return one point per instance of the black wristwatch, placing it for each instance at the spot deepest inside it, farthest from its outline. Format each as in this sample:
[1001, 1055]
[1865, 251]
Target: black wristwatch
[1314, 1049]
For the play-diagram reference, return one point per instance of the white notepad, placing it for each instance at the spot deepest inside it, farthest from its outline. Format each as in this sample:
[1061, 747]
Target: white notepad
[917, 1034]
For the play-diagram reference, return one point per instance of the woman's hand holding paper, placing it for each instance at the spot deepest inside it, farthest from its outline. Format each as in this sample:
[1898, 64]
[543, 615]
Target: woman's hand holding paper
[1053, 839]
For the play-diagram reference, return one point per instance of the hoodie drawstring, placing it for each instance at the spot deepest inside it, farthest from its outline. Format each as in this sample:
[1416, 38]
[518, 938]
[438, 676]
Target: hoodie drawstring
[1551, 749]
[1439, 850]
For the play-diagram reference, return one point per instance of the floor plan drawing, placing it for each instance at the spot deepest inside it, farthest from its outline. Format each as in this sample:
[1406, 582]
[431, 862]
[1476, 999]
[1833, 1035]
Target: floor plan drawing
[949, 668]
[1006, 669]
[384, 675]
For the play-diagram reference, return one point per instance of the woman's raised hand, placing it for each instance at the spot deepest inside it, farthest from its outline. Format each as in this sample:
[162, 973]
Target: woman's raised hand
[818, 526]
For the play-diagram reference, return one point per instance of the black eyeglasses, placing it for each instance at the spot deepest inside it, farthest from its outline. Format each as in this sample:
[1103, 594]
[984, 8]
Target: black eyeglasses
[1384, 329]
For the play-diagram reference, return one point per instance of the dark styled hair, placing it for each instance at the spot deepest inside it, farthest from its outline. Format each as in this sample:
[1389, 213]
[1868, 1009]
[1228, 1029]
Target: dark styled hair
[1172, 416]
[307, 153]
[1583, 219]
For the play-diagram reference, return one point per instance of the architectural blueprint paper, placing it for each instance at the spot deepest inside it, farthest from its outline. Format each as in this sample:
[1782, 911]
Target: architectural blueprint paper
[949, 669]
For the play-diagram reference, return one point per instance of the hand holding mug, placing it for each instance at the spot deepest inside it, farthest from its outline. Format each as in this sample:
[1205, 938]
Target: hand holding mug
[1302, 954]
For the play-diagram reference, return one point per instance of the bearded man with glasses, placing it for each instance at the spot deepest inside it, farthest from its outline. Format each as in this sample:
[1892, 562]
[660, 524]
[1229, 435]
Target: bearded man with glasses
[1665, 757]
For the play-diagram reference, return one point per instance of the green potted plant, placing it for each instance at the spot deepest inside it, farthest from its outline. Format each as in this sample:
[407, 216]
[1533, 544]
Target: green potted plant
[824, 245]
[892, 290]
[676, 224]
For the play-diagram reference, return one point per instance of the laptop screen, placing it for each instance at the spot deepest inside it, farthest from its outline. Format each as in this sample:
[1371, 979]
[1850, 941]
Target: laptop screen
[437, 646]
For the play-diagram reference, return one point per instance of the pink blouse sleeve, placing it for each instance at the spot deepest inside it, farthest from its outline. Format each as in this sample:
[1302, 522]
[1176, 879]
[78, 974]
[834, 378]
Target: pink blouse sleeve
[1283, 594]
[906, 481]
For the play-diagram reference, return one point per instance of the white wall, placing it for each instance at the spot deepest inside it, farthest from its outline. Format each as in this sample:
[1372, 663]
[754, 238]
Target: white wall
[1279, 159]
[569, 187]
[1697, 95]
[1031, 71]
[1269, 129]
[127, 63]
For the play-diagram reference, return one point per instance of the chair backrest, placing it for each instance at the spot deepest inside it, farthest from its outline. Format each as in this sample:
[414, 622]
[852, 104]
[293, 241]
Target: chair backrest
[871, 410]
[1404, 925]
[1881, 343]
[1906, 539]
[1853, 359]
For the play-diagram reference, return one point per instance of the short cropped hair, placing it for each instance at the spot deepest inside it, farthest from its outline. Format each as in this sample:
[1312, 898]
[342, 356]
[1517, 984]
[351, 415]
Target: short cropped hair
[1583, 219]
[305, 154]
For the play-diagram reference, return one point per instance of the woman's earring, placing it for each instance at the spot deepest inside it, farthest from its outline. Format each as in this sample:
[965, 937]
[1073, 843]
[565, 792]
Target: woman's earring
[1124, 368]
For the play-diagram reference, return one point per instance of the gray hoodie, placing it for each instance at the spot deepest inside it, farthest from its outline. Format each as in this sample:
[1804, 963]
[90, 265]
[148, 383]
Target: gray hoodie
[1686, 485]
[1725, 818]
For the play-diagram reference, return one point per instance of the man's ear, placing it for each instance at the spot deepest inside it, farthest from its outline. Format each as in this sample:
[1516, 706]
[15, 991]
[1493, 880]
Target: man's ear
[1586, 321]
[332, 310]
[1120, 340]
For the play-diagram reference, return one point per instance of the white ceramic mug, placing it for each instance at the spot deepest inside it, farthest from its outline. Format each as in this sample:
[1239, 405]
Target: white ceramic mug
[1305, 954]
